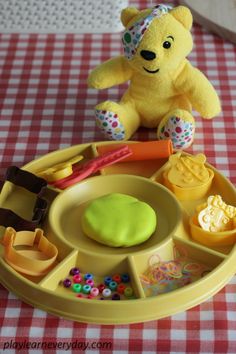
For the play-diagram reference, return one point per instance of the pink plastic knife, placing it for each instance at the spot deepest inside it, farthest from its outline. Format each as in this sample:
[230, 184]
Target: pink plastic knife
[92, 166]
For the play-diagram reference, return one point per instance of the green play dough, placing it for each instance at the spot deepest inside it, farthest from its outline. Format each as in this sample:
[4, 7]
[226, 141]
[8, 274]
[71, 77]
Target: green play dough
[118, 220]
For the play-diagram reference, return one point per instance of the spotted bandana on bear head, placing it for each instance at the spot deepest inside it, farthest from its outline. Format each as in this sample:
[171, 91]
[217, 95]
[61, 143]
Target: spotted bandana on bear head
[134, 34]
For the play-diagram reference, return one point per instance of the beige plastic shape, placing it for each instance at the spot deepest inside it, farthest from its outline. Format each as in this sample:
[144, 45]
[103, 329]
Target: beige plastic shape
[31, 261]
[60, 170]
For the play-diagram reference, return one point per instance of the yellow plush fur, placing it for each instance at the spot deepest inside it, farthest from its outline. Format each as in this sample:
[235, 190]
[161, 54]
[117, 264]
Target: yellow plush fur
[161, 88]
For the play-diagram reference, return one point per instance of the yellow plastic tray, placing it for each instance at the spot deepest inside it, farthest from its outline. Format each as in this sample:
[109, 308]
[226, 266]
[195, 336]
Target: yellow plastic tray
[62, 227]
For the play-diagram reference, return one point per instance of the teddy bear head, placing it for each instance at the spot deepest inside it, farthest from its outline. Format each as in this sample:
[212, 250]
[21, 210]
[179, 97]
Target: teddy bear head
[156, 40]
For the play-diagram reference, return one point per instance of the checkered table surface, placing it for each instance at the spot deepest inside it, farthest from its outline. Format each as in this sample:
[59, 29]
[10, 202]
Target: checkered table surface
[45, 105]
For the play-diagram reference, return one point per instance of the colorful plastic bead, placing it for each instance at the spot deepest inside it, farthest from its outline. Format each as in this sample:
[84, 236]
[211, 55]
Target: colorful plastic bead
[79, 295]
[107, 280]
[101, 287]
[117, 278]
[115, 297]
[125, 278]
[74, 271]
[128, 292]
[106, 292]
[77, 278]
[67, 283]
[121, 288]
[90, 282]
[86, 289]
[88, 276]
[89, 297]
[94, 292]
[113, 285]
[77, 287]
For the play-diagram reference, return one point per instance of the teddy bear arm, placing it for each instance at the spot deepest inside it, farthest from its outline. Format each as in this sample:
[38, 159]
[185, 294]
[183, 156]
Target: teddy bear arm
[199, 91]
[112, 72]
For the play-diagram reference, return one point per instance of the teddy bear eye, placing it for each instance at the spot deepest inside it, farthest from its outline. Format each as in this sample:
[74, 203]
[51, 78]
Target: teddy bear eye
[167, 44]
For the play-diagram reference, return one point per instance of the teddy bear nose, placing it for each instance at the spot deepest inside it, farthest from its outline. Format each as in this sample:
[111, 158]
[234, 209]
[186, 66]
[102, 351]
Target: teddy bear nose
[147, 55]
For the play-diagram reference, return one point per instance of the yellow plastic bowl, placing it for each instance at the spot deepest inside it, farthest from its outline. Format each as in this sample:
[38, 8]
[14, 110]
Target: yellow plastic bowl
[191, 193]
[67, 208]
[211, 239]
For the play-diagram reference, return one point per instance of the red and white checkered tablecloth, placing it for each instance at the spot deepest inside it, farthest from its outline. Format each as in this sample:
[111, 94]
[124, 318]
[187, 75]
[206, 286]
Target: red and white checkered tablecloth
[45, 105]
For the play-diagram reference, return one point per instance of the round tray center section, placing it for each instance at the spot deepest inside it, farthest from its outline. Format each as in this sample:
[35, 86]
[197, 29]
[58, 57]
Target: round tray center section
[67, 209]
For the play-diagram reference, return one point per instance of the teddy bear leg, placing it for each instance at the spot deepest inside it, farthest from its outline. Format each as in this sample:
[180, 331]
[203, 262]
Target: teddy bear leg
[117, 121]
[179, 126]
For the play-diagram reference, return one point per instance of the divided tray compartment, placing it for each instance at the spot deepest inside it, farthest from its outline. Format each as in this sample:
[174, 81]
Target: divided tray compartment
[220, 185]
[46, 292]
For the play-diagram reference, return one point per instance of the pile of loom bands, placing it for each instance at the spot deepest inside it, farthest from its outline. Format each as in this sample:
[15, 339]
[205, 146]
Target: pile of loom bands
[165, 276]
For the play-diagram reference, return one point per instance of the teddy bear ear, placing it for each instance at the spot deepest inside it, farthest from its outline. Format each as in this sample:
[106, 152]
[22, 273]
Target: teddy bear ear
[183, 15]
[127, 15]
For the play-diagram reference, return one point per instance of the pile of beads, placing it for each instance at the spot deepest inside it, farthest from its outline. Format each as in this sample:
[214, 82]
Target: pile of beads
[114, 287]
[165, 276]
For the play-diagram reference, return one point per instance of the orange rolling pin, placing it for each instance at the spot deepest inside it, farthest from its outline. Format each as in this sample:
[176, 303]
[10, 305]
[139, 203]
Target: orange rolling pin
[149, 150]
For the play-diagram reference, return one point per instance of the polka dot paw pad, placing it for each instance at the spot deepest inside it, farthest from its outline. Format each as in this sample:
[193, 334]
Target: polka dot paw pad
[180, 132]
[110, 125]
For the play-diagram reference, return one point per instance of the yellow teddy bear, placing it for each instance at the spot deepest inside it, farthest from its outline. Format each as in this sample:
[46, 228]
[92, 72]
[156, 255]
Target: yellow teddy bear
[163, 84]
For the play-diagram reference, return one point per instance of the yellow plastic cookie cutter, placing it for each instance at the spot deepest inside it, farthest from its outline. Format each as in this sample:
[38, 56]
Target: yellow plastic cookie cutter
[36, 258]
[60, 170]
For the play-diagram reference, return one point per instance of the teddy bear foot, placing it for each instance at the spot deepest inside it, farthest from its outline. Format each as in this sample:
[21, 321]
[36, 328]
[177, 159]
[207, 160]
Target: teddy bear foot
[110, 125]
[179, 130]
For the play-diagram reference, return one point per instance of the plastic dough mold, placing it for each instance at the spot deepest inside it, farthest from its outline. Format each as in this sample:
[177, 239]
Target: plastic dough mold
[188, 177]
[29, 261]
[142, 179]
[215, 223]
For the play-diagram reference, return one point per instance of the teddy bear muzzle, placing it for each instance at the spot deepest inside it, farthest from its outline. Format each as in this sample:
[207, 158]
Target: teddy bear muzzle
[147, 55]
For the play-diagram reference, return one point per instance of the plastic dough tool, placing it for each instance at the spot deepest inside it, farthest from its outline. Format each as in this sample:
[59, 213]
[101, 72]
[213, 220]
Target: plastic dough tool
[150, 150]
[60, 170]
[188, 171]
[31, 261]
[92, 166]
[31, 183]
[217, 215]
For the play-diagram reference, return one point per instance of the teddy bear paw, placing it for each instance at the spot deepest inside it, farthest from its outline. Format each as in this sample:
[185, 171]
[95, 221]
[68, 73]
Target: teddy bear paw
[110, 124]
[179, 131]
